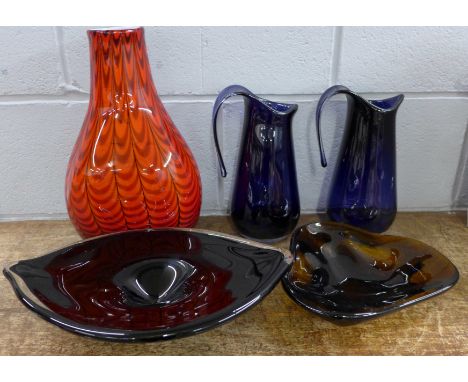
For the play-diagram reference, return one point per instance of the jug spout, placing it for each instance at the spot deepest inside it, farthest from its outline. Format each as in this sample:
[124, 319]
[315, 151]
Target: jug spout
[388, 104]
[278, 108]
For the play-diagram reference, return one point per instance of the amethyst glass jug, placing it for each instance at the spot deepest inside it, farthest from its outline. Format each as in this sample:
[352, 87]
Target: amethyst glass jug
[363, 190]
[265, 203]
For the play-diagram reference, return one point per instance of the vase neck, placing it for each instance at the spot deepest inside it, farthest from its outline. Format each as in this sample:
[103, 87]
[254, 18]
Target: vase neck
[120, 70]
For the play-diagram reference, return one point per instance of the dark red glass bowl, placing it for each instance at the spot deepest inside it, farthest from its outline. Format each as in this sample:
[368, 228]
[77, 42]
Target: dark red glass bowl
[148, 285]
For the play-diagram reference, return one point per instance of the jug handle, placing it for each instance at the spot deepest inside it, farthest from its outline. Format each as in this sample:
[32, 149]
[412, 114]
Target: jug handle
[330, 92]
[230, 91]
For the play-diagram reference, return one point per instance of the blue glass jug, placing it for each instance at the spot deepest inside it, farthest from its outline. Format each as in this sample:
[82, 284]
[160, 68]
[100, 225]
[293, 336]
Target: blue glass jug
[363, 190]
[265, 203]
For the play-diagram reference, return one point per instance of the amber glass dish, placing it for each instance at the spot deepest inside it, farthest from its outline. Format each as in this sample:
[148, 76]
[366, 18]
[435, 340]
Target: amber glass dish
[148, 285]
[347, 274]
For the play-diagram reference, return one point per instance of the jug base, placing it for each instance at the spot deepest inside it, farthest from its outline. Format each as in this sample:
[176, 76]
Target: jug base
[373, 220]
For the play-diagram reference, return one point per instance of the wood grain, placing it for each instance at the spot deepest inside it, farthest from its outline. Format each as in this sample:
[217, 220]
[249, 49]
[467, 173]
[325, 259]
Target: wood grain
[277, 326]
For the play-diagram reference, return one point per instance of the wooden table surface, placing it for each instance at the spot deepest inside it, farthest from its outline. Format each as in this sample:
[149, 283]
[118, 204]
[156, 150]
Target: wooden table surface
[276, 326]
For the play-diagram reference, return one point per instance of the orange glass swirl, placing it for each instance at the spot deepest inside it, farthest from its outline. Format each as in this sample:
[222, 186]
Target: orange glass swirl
[130, 168]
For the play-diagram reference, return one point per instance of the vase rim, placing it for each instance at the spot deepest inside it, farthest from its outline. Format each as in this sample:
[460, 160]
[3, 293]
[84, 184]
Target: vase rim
[116, 29]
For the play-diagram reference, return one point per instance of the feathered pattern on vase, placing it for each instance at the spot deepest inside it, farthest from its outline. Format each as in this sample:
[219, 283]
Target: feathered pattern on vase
[130, 167]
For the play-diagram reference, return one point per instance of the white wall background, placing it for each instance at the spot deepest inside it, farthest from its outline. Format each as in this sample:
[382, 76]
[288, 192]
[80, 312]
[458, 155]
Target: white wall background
[44, 90]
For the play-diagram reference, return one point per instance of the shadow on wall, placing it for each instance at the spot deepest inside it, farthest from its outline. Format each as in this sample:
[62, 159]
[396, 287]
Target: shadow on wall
[460, 186]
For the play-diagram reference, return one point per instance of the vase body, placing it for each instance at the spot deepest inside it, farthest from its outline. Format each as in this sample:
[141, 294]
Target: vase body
[130, 167]
[265, 202]
[363, 190]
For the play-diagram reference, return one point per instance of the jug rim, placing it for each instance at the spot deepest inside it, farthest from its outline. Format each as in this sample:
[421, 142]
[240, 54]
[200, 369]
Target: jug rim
[280, 108]
[385, 105]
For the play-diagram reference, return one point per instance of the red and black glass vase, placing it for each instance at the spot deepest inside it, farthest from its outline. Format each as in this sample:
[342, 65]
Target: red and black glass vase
[130, 167]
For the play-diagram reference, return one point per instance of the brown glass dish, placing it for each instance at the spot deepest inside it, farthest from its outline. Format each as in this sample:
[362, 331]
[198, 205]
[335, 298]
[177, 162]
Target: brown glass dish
[148, 285]
[346, 274]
